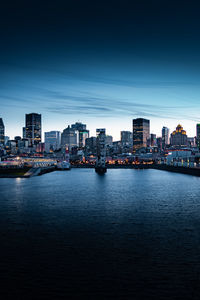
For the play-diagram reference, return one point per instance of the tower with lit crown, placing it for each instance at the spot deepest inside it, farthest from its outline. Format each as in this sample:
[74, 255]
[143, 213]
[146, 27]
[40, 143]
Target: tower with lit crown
[179, 137]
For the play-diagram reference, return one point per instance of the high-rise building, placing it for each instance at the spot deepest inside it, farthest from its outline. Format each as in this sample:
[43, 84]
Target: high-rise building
[69, 138]
[165, 137]
[83, 133]
[2, 132]
[24, 132]
[179, 137]
[33, 128]
[141, 130]
[52, 140]
[126, 138]
[198, 135]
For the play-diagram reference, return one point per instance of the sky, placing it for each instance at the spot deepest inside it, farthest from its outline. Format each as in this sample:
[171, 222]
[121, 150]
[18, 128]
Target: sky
[102, 63]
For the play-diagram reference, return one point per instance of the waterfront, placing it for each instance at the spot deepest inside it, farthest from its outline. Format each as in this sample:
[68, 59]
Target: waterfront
[129, 234]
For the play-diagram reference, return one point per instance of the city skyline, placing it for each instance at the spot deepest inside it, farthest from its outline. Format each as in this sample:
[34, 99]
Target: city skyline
[93, 131]
[118, 63]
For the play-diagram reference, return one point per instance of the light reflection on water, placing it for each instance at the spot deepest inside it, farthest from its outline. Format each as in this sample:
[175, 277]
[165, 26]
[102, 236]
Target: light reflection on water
[127, 235]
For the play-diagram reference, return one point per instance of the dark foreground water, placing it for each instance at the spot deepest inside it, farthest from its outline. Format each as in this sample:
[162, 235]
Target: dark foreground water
[131, 234]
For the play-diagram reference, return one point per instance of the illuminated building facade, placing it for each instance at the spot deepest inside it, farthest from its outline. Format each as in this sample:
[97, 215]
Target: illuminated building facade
[141, 131]
[40, 147]
[33, 128]
[2, 132]
[179, 137]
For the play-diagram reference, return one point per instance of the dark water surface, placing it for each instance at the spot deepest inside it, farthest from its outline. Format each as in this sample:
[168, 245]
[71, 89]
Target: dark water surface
[131, 234]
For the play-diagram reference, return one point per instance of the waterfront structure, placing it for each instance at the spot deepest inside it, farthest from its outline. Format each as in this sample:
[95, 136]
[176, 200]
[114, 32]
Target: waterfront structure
[33, 128]
[2, 132]
[198, 135]
[52, 140]
[69, 138]
[179, 137]
[165, 137]
[141, 131]
[82, 131]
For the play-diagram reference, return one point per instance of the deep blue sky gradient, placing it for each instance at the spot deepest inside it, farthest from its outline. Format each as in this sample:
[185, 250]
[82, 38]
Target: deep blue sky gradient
[101, 63]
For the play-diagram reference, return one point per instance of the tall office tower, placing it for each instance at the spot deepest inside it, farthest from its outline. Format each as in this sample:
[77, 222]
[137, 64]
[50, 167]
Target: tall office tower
[141, 129]
[69, 138]
[165, 137]
[24, 132]
[198, 135]
[179, 137]
[83, 133]
[126, 137]
[2, 132]
[33, 128]
[52, 140]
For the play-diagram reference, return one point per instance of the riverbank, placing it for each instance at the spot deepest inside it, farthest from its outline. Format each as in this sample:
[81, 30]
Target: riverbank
[25, 172]
[177, 169]
[29, 172]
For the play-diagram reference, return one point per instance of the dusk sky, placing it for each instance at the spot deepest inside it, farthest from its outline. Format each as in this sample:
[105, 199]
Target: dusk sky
[101, 63]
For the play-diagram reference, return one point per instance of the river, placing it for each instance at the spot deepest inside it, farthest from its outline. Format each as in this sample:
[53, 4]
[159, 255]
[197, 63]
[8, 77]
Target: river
[130, 234]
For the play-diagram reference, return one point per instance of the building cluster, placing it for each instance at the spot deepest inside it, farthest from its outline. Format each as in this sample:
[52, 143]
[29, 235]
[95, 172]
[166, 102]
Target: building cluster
[76, 137]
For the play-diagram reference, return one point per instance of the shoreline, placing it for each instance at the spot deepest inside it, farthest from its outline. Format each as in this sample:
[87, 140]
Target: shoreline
[13, 173]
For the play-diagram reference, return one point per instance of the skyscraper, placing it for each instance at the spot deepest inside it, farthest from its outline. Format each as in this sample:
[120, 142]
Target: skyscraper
[83, 133]
[69, 138]
[179, 137]
[198, 135]
[24, 132]
[52, 140]
[33, 128]
[165, 137]
[2, 132]
[141, 130]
